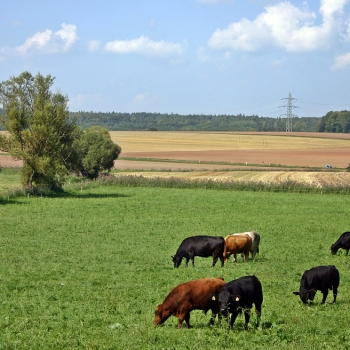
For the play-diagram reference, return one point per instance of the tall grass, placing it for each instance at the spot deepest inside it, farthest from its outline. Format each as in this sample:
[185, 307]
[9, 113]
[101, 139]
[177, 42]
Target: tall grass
[173, 182]
[87, 268]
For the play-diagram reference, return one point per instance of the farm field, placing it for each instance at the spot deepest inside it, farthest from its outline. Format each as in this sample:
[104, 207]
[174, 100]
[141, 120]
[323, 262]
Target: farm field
[248, 157]
[86, 270]
[232, 156]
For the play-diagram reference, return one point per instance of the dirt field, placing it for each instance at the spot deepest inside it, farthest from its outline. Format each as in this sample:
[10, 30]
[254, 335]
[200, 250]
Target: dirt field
[186, 155]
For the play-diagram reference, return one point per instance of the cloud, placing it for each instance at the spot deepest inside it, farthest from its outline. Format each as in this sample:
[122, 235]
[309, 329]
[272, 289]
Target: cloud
[341, 61]
[94, 45]
[50, 42]
[145, 97]
[83, 101]
[284, 26]
[146, 47]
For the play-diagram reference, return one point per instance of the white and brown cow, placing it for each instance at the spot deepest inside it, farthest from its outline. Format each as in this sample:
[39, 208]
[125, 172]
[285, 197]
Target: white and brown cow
[255, 241]
[237, 244]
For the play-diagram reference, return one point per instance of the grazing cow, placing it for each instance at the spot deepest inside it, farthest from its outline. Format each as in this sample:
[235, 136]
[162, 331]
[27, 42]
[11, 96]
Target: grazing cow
[255, 241]
[193, 295]
[342, 242]
[319, 278]
[236, 244]
[240, 295]
[202, 246]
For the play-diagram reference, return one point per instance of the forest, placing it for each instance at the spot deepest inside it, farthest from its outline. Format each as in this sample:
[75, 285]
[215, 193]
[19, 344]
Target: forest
[333, 121]
[192, 122]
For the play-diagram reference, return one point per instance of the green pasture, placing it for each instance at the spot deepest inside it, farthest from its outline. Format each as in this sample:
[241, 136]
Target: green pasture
[10, 178]
[86, 270]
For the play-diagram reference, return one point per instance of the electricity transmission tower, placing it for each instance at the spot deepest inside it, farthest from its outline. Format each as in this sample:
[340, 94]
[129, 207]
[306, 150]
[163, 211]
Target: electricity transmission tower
[289, 114]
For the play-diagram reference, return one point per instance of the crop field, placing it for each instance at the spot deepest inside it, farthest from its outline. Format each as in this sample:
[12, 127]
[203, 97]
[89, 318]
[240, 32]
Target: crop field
[232, 156]
[249, 157]
[86, 269]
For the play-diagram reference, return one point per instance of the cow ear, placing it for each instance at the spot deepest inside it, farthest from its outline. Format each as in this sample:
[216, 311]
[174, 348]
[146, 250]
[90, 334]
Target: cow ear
[237, 298]
[296, 293]
[213, 297]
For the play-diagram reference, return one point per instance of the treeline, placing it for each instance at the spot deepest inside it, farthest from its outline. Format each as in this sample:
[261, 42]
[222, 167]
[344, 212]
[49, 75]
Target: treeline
[335, 122]
[192, 122]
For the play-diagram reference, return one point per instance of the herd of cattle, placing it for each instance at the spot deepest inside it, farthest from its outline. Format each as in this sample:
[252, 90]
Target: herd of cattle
[240, 294]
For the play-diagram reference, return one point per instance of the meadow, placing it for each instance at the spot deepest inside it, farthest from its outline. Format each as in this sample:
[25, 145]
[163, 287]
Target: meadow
[86, 269]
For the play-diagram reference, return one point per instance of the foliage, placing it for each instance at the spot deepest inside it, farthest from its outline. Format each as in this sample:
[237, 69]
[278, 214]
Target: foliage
[87, 277]
[335, 122]
[95, 152]
[348, 167]
[41, 132]
[191, 122]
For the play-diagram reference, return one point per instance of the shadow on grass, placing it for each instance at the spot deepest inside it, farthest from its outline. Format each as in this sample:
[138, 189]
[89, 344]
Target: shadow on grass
[17, 200]
[86, 195]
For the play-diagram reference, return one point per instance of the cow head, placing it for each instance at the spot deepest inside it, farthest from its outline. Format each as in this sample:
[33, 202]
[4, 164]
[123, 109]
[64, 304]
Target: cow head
[158, 319]
[176, 260]
[306, 295]
[333, 249]
[225, 300]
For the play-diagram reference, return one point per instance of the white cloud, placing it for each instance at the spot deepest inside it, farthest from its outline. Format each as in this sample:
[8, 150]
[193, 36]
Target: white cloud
[84, 102]
[145, 97]
[342, 61]
[94, 45]
[285, 26]
[141, 97]
[49, 42]
[146, 47]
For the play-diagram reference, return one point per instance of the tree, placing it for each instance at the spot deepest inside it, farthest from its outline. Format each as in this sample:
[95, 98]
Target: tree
[40, 130]
[95, 152]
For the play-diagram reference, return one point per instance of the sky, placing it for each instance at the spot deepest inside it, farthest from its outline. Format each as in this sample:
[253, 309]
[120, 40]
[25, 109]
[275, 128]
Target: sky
[184, 56]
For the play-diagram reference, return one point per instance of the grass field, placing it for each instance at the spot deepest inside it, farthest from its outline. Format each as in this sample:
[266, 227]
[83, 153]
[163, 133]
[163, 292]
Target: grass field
[87, 269]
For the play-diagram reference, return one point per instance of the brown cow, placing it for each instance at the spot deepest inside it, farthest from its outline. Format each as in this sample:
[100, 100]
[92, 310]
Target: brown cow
[188, 296]
[255, 236]
[236, 244]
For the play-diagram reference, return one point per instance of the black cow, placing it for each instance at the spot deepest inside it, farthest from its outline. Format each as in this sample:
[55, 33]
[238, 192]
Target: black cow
[342, 242]
[203, 246]
[240, 295]
[319, 278]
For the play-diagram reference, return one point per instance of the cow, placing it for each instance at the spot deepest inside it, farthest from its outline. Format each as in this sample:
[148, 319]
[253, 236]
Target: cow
[202, 246]
[342, 242]
[188, 296]
[319, 278]
[240, 295]
[255, 236]
[236, 244]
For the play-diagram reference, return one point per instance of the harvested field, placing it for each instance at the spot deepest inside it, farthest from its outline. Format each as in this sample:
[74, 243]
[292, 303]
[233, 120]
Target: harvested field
[316, 179]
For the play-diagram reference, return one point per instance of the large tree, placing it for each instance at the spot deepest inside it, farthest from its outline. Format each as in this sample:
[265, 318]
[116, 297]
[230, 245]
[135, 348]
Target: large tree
[94, 151]
[40, 130]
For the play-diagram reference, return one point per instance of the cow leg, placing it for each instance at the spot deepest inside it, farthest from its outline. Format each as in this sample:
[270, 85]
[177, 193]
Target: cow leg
[187, 320]
[212, 318]
[215, 259]
[246, 317]
[246, 256]
[335, 292]
[258, 314]
[325, 293]
[222, 261]
[184, 317]
[347, 252]
[233, 318]
[187, 260]
[234, 257]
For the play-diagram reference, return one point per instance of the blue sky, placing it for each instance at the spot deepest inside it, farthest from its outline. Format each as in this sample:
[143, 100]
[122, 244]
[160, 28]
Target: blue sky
[184, 56]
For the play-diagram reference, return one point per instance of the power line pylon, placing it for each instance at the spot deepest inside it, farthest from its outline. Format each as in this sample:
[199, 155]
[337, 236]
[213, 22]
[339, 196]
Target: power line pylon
[289, 114]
